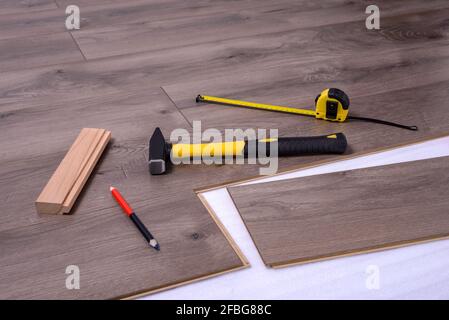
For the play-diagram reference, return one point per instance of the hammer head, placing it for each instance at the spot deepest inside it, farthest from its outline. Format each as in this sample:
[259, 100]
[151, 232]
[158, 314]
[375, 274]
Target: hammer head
[159, 157]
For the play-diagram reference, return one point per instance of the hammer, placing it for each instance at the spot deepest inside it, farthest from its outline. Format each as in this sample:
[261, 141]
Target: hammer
[162, 152]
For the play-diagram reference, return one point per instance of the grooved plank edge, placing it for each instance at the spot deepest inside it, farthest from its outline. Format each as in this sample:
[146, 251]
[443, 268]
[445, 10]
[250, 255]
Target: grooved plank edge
[64, 186]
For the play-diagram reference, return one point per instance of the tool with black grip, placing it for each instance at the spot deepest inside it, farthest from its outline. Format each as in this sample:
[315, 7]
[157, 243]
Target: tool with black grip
[162, 152]
[331, 104]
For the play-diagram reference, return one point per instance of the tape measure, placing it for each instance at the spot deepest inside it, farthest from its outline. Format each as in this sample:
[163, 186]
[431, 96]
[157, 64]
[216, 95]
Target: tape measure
[331, 104]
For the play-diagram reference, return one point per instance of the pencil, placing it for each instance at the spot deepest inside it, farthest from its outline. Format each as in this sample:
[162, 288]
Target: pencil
[134, 218]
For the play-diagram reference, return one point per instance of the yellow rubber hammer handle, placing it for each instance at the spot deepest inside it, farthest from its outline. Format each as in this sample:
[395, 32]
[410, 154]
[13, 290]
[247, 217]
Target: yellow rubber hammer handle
[200, 150]
[287, 146]
[254, 105]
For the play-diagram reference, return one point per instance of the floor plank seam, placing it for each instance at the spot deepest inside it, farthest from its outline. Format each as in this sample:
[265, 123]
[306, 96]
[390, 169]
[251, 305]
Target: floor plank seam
[179, 110]
[77, 45]
[287, 30]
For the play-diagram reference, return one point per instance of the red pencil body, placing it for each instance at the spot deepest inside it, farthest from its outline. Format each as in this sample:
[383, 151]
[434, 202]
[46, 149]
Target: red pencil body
[135, 219]
[122, 202]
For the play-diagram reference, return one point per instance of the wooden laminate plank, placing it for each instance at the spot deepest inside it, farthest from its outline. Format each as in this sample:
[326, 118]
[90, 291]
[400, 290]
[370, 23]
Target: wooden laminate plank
[58, 187]
[195, 5]
[304, 54]
[18, 6]
[408, 57]
[20, 53]
[39, 138]
[96, 14]
[363, 137]
[125, 166]
[96, 82]
[389, 59]
[397, 84]
[322, 216]
[104, 41]
[85, 173]
[26, 24]
[99, 13]
[97, 236]
[105, 243]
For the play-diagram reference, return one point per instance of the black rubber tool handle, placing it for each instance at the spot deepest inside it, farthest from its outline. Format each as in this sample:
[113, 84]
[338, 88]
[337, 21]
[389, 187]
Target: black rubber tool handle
[296, 146]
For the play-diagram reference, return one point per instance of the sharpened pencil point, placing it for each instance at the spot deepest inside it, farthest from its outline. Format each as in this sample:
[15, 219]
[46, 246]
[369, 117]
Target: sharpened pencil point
[134, 218]
[153, 243]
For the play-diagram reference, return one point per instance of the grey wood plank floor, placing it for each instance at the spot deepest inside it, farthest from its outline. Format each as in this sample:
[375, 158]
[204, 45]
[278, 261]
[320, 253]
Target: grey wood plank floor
[96, 14]
[28, 52]
[391, 82]
[98, 41]
[329, 215]
[14, 6]
[271, 51]
[97, 236]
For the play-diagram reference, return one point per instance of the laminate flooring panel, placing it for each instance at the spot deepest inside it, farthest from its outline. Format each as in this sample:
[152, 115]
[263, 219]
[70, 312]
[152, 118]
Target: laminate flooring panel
[336, 214]
[97, 236]
[297, 83]
[197, 5]
[95, 14]
[363, 137]
[248, 61]
[410, 63]
[26, 24]
[43, 108]
[409, 50]
[29, 52]
[18, 6]
[405, 85]
[97, 41]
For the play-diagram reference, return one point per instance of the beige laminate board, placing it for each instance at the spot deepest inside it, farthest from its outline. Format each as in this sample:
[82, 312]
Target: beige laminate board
[328, 215]
[63, 180]
[85, 173]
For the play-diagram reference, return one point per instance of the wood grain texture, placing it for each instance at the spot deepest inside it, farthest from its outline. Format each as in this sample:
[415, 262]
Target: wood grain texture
[62, 189]
[18, 6]
[106, 13]
[97, 236]
[103, 41]
[277, 51]
[26, 24]
[322, 216]
[396, 81]
[29, 52]
[298, 55]
[273, 64]
[85, 173]
[67, 173]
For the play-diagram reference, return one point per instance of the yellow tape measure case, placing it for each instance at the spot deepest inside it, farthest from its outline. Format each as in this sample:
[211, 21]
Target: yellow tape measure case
[332, 104]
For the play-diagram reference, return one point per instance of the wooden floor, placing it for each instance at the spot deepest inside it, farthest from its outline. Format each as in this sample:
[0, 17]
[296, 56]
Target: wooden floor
[139, 64]
[349, 212]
